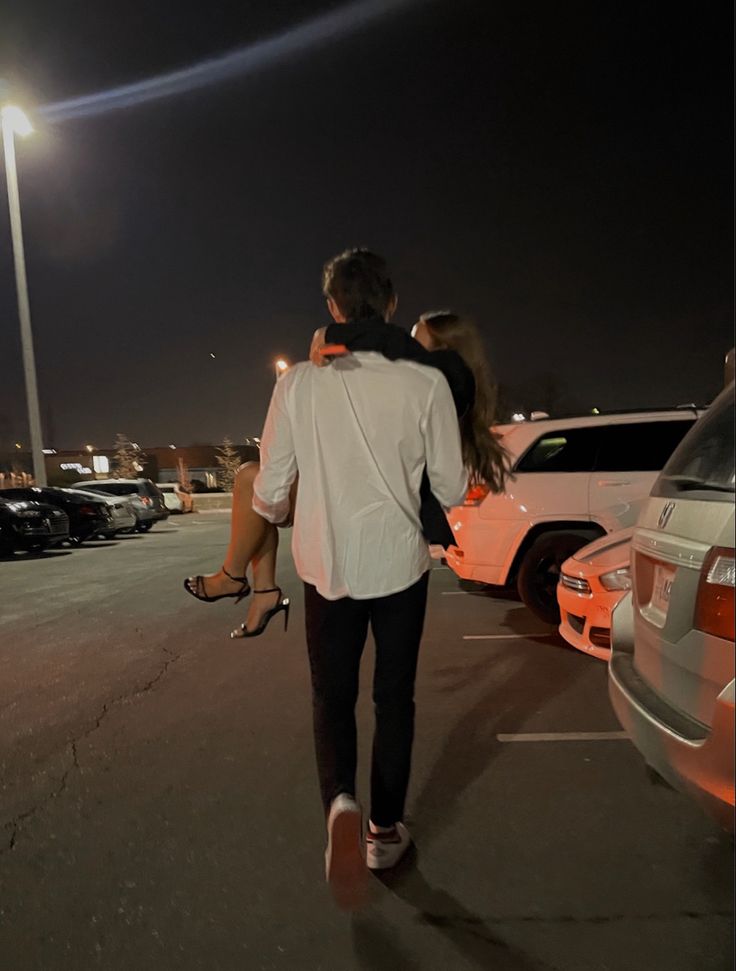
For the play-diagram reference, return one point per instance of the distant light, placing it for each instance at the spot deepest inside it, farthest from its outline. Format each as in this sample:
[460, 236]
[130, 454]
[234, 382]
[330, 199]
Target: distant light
[18, 445]
[49, 451]
[90, 448]
[16, 120]
[172, 446]
[538, 415]
[594, 411]
[212, 355]
[136, 445]
[518, 416]
[100, 463]
[281, 365]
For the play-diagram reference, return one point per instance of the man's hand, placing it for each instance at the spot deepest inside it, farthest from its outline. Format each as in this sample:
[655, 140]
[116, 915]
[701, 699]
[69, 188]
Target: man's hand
[317, 341]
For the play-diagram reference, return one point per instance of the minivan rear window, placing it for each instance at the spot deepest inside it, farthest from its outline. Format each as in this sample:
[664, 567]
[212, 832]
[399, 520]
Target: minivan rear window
[704, 465]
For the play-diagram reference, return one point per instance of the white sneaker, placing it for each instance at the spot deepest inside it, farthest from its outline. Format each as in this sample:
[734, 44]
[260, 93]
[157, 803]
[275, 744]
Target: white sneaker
[345, 867]
[384, 850]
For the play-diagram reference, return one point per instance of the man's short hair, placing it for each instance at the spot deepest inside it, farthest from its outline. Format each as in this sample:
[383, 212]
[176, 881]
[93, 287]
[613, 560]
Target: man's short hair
[358, 281]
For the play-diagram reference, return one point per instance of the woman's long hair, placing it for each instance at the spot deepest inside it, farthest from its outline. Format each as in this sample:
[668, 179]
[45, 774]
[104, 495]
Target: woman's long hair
[485, 457]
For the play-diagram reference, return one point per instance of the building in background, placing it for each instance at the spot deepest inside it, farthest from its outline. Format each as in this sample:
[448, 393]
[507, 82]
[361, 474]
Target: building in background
[168, 463]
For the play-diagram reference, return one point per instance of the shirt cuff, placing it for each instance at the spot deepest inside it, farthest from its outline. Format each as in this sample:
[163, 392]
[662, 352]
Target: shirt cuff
[272, 512]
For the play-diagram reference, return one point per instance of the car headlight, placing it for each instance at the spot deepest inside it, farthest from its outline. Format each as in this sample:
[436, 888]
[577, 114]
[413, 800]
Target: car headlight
[617, 579]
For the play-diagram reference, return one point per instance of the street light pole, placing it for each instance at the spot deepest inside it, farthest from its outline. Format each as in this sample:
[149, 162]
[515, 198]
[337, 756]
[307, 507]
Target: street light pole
[15, 122]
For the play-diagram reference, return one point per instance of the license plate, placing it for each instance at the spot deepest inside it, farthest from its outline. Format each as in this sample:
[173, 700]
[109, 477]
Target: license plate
[664, 577]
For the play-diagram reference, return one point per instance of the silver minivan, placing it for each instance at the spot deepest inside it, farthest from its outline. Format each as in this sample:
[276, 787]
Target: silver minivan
[671, 672]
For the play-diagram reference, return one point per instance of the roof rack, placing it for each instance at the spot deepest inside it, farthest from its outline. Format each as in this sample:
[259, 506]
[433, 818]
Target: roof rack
[543, 416]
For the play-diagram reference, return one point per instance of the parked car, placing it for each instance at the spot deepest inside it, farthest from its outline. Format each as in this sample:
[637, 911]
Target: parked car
[574, 480]
[29, 526]
[146, 499]
[671, 673]
[143, 516]
[124, 519]
[177, 500]
[592, 583]
[87, 516]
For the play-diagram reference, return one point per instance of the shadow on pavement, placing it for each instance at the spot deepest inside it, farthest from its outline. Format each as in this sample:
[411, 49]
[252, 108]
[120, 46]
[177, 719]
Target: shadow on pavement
[377, 946]
[471, 937]
[22, 557]
[469, 748]
[486, 590]
[520, 620]
[471, 744]
[717, 872]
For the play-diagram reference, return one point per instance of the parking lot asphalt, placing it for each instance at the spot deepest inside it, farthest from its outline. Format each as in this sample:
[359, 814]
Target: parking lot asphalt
[159, 806]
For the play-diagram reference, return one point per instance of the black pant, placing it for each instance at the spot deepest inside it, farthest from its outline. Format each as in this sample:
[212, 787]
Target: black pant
[336, 634]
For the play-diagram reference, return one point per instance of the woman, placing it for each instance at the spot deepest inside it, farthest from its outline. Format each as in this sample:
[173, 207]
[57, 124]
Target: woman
[444, 340]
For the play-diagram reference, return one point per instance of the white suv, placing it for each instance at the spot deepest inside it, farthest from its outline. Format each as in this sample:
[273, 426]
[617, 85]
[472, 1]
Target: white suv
[573, 480]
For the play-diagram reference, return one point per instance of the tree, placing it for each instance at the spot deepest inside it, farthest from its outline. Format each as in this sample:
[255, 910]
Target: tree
[229, 461]
[183, 472]
[127, 462]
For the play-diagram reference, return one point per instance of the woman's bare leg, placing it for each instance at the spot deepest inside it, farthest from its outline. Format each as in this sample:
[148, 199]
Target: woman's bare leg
[264, 578]
[249, 535]
[248, 530]
[264, 572]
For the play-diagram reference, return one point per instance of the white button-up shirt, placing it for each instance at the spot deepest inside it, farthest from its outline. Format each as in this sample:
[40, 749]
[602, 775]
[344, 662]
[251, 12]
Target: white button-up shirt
[359, 433]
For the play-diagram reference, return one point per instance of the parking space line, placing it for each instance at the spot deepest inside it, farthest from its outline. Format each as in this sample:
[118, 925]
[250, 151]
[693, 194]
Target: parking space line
[455, 593]
[564, 737]
[507, 637]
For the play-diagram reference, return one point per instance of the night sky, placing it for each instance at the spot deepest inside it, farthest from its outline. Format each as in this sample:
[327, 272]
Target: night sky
[561, 171]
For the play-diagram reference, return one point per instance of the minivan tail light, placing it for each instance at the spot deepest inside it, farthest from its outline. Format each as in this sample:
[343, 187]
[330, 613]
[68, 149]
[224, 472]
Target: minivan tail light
[714, 607]
[475, 495]
[146, 500]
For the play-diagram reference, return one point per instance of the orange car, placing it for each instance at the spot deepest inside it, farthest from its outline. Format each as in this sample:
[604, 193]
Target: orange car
[592, 582]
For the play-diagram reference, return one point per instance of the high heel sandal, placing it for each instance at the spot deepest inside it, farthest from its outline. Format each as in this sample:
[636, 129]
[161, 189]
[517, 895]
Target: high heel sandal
[199, 592]
[283, 604]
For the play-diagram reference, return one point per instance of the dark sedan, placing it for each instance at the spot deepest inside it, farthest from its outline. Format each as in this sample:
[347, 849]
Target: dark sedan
[87, 517]
[30, 526]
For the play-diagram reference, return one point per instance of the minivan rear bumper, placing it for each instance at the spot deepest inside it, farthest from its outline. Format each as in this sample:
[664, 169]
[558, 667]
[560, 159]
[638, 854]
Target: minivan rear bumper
[690, 756]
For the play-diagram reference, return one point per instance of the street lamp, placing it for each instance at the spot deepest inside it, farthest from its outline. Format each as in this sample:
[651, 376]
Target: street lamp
[15, 122]
[281, 366]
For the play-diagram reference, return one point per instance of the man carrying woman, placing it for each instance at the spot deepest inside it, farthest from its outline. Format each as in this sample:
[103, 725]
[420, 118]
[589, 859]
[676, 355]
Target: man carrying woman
[375, 442]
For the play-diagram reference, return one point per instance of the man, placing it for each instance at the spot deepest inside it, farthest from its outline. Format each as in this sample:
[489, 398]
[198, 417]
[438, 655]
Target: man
[359, 434]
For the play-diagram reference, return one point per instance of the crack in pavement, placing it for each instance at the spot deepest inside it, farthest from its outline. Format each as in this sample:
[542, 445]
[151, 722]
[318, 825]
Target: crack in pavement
[479, 932]
[15, 824]
[475, 924]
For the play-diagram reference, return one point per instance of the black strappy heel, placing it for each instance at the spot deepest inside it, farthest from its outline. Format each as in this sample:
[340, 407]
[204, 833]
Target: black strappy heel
[198, 591]
[283, 604]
